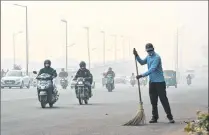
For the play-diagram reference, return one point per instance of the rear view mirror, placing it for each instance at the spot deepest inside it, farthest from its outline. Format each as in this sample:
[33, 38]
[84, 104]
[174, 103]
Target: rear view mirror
[34, 72]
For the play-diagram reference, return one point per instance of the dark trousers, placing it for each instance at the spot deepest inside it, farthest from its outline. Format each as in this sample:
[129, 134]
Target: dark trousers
[159, 89]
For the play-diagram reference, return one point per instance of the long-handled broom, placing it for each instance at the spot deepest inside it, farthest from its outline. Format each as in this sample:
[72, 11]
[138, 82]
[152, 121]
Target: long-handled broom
[139, 119]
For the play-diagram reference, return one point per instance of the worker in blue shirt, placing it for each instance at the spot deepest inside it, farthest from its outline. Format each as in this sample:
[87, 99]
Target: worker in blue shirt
[157, 85]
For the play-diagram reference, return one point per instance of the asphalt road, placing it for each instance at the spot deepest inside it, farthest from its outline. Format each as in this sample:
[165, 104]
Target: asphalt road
[21, 113]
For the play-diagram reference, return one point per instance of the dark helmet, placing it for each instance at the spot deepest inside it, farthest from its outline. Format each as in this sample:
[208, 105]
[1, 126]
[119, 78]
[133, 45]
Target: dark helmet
[110, 69]
[62, 69]
[47, 62]
[82, 64]
[149, 47]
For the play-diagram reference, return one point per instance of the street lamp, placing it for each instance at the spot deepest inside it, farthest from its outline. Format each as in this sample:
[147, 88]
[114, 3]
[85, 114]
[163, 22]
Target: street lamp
[66, 44]
[103, 46]
[87, 29]
[14, 35]
[27, 44]
[115, 46]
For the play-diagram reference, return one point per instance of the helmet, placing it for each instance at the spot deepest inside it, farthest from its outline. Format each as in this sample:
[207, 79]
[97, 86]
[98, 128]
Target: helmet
[149, 47]
[132, 73]
[47, 63]
[62, 69]
[109, 69]
[82, 64]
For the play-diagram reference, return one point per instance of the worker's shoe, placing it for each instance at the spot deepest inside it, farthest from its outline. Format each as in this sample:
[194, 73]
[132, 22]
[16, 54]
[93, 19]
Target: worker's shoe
[171, 121]
[153, 120]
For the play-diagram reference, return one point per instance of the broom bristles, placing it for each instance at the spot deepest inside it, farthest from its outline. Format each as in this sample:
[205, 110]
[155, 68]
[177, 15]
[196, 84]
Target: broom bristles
[139, 119]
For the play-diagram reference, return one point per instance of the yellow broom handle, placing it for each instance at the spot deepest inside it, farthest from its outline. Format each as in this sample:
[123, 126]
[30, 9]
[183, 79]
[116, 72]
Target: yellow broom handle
[140, 97]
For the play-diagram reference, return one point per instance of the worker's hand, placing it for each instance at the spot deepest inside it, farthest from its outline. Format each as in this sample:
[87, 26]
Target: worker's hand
[139, 76]
[135, 52]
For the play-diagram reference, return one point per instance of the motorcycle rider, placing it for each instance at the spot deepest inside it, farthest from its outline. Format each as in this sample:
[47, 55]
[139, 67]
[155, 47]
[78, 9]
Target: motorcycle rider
[63, 73]
[111, 72]
[48, 70]
[132, 76]
[189, 77]
[85, 73]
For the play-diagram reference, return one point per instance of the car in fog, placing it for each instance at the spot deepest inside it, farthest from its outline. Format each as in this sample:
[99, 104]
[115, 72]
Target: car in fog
[15, 78]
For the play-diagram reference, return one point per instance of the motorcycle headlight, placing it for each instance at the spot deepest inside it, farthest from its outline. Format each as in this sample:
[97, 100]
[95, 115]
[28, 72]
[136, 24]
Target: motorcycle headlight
[80, 82]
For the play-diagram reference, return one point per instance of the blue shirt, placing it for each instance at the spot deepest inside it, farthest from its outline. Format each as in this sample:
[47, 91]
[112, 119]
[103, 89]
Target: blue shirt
[155, 70]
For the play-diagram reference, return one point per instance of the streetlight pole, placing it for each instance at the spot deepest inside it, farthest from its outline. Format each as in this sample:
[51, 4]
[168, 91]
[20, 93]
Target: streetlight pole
[87, 28]
[103, 47]
[177, 53]
[14, 54]
[27, 44]
[66, 45]
[129, 47]
[123, 47]
[115, 47]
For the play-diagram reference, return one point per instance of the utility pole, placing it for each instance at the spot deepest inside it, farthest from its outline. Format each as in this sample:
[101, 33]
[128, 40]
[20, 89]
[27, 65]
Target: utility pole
[103, 47]
[87, 28]
[123, 47]
[177, 53]
[14, 48]
[27, 44]
[115, 37]
[66, 45]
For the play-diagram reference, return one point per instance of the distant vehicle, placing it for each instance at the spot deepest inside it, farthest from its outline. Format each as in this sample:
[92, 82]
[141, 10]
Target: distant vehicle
[15, 78]
[170, 78]
[120, 79]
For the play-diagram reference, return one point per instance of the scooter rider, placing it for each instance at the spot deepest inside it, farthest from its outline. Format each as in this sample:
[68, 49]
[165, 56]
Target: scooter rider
[85, 73]
[110, 71]
[48, 70]
[63, 73]
[133, 76]
[189, 77]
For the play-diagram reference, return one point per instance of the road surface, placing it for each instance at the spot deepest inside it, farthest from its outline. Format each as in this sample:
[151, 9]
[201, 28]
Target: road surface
[21, 113]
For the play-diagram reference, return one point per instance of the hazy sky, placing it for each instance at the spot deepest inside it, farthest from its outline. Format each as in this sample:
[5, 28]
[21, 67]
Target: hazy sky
[139, 21]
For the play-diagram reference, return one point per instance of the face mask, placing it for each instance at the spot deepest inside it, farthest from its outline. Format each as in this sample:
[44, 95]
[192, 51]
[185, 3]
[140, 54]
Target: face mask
[46, 65]
[150, 53]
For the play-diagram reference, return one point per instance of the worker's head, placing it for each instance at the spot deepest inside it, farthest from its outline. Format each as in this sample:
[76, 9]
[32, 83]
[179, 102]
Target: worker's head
[109, 69]
[149, 49]
[47, 63]
[62, 69]
[132, 73]
[82, 65]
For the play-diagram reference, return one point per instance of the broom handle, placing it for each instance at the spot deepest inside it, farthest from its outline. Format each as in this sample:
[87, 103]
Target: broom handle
[140, 97]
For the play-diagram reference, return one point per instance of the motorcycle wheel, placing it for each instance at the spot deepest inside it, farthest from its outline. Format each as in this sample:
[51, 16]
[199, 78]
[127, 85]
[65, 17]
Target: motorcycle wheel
[86, 101]
[80, 101]
[109, 89]
[51, 105]
[43, 105]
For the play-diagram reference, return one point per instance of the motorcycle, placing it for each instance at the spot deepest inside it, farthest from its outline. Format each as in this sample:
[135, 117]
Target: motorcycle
[44, 86]
[189, 81]
[82, 90]
[109, 83]
[133, 81]
[64, 83]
